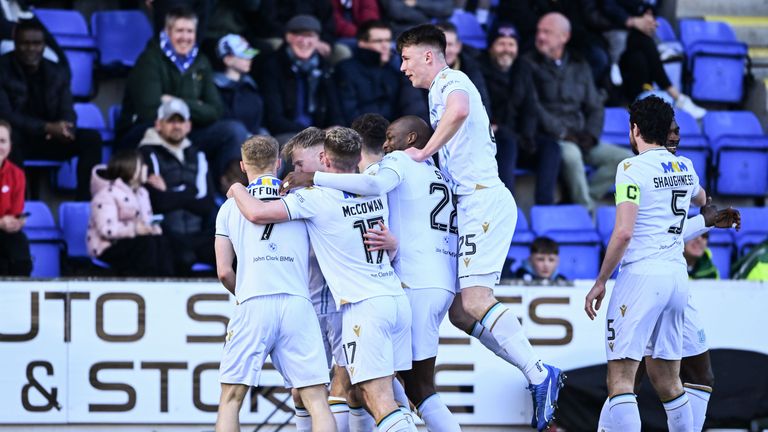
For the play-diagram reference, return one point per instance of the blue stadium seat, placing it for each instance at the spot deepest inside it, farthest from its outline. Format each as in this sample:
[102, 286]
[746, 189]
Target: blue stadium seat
[73, 220]
[67, 26]
[694, 145]
[89, 117]
[740, 152]
[81, 66]
[519, 249]
[469, 30]
[605, 218]
[44, 240]
[120, 36]
[716, 60]
[754, 229]
[664, 31]
[114, 116]
[721, 244]
[616, 126]
[571, 226]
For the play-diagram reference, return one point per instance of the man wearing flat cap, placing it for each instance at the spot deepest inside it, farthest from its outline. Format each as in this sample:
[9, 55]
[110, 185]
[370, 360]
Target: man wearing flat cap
[296, 81]
[514, 116]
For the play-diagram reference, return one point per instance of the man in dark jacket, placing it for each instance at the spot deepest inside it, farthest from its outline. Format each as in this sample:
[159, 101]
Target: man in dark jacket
[571, 110]
[404, 14]
[296, 81]
[171, 66]
[35, 98]
[178, 184]
[513, 104]
[368, 83]
[239, 92]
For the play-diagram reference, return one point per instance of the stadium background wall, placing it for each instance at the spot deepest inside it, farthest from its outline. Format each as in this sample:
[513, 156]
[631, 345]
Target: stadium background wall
[139, 352]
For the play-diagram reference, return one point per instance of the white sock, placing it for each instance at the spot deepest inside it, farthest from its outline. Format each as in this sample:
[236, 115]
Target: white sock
[509, 333]
[698, 396]
[340, 411]
[604, 424]
[303, 420]
[400, 397]
[437, 416]
[679, 414]
[396, 421]
[625, 416]
[360, 420]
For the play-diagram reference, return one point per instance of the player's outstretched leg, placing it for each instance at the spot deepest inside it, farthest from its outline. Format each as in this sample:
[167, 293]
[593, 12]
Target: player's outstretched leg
[545, 381]
[420, 388]
[301, 418]
[315, 398]
[228, 417]
[698, 380]
[665, 378]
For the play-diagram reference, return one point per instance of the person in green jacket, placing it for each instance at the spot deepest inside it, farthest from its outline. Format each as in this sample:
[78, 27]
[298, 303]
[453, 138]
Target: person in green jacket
[698, 257]
[172, 66]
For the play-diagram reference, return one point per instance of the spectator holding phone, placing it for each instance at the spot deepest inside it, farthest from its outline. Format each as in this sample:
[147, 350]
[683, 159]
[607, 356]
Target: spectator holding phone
[15, 259]
[122, 230]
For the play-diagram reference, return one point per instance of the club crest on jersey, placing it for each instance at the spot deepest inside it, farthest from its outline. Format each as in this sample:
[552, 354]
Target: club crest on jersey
[466, 262]
[356, 329]
[623, 309]
[676, 167]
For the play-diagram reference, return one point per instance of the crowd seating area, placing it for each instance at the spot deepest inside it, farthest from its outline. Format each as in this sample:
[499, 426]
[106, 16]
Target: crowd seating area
[729, 148]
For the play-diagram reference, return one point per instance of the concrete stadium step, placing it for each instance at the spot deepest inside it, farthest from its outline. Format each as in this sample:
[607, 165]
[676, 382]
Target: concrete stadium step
[697, 8]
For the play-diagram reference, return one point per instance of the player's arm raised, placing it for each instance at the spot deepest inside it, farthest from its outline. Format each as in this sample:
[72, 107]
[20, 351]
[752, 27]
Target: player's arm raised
[362, 184]
[626, 215]
[255, 210]
[225, 256]
[456, 111]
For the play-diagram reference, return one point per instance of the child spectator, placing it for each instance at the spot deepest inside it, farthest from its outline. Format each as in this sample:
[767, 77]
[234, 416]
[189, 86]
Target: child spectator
[542, 263]
[238, 90]
[698, 257]
[15, 259]
[122, 230]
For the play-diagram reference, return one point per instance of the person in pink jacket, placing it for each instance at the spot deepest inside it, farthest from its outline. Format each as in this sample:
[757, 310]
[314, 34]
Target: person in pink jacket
[122, 230]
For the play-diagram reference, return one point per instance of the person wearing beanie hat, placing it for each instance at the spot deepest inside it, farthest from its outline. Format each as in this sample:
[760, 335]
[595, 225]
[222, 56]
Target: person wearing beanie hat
[514, 116]
[239, 92]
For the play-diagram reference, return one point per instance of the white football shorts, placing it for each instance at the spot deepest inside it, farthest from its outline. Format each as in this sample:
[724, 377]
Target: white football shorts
[694, 337]
[428, 308]
[282, 326]
[330, 327]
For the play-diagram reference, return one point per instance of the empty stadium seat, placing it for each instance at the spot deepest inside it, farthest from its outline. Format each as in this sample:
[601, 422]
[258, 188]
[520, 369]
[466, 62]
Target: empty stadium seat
[605, 218]
[721, 244]
[73, 220]
[67, 26]
[44, 240]
[754, 228]
[616, 126]
[694, 145]
[114, 116]
[89, 117]
[716, 60]
[519, 249]
[120, 36]
[571, 226]
[740, 152]
[664, 31]
[469, 30]
[81, 66]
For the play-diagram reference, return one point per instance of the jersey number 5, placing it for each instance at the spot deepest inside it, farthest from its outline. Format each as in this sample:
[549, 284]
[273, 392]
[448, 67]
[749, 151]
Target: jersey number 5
[363, 226]
[677, 211]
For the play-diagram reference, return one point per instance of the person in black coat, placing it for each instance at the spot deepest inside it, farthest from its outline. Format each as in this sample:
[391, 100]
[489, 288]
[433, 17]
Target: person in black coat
[298, 88]
[514, 116]
[239, 92]
[35, 98]
[368, 83]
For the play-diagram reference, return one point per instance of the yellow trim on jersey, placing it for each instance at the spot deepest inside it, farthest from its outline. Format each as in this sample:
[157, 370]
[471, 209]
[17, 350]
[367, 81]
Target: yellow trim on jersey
[627, 192]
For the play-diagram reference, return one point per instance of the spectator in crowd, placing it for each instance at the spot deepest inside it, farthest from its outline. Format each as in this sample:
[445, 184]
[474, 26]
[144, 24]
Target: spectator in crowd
[178, 184]
[122, 230]
[35, 97]
[255, 20]
[413, 101]
[571, 111]
[171, 66]
[514, 117]
[373, 129]
[162, 8]
[321, 10]
[15, 259]
[368, 82]
[296, 81]
[542, 263]
[11, 12]
[239, 92]
[698, 257]
[348, 15]
[640, 64]
[404, 14]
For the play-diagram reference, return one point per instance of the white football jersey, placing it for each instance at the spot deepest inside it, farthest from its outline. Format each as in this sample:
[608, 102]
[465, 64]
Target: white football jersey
[336, 222]
[271, 259]
[662, 185]
[319, 293]
[469, 157]
[422, 216]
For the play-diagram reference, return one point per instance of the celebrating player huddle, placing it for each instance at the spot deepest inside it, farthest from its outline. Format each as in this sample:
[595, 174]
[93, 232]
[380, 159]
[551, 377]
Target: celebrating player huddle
[357, 246]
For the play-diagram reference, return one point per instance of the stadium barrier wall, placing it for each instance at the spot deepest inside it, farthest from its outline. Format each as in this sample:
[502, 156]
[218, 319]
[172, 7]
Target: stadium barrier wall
[145, 352]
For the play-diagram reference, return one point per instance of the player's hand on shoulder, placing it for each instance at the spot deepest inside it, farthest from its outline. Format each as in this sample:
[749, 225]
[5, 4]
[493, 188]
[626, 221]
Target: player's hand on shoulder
[233, 189]
[594, 299]
[297, 180]
[415, 154]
